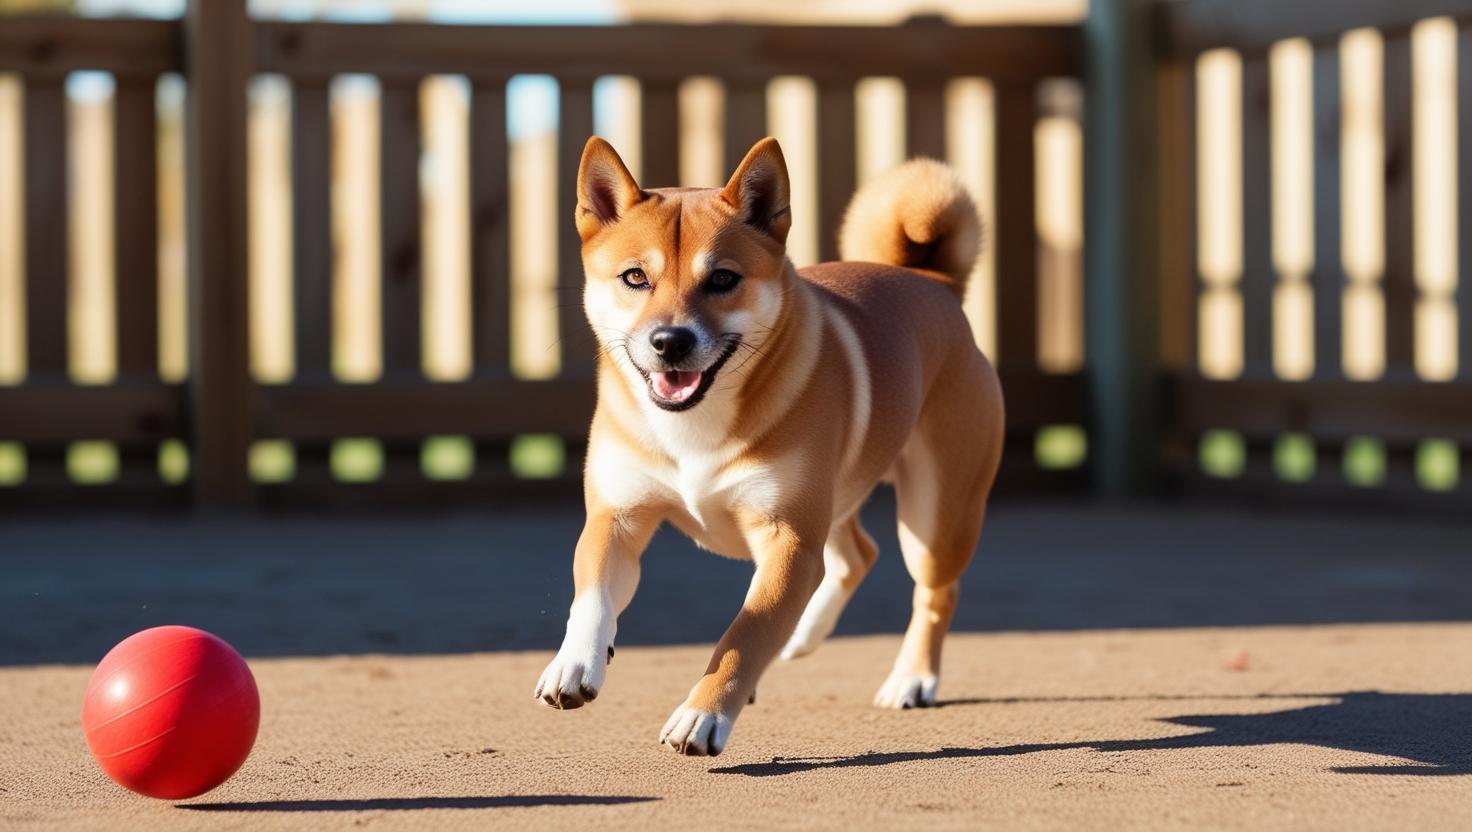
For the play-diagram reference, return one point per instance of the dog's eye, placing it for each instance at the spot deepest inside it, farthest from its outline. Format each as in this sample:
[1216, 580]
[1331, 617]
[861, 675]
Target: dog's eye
[722, 280]
[635, 279]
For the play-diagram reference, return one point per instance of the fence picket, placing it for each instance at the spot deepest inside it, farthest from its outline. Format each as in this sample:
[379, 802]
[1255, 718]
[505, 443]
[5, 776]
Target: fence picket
[659, 130]
[1259, 277]
[399, 226]
[925, 120]
[1464, 217]
[46, 209]
[1016, 227]
[135, 200]
[1400, 206]
[1328, 274]
[746, 120]
[837, 163]
[575, 124]
[311, 207]
[490, 231]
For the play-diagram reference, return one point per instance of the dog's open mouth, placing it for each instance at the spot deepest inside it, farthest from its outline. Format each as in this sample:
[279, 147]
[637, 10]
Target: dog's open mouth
[683, 389]
[675, 386]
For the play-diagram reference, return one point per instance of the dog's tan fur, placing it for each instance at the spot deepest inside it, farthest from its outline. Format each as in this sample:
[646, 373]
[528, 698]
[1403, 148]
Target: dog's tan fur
[844, 375]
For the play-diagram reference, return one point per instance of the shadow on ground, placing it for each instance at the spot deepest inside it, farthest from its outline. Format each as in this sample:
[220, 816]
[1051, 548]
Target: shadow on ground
[416, 803]
[1433, 732]
[443, 583]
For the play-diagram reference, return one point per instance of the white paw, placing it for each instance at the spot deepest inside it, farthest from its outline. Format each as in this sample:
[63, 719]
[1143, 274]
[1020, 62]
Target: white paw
[907, 690]
[572, 680]
[817, 622]
[696, 733]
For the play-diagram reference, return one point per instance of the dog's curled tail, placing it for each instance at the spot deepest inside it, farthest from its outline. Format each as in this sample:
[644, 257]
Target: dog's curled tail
[918, 215]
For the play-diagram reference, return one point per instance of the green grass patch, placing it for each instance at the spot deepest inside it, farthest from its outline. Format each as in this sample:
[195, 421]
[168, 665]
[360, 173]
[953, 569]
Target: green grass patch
[272, 461]
[1223, 453]
[12, 463]
[1364, 462]
[1059, 447]
[447, 458]
[538, 456]
[1294, 457]
[1438, 465]
[357, 460]
[173, 461]
[92, 462]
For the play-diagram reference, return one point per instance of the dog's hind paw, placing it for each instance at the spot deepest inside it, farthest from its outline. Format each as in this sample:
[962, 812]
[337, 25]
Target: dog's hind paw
[570, 683]
[907, 690]
[696, 733]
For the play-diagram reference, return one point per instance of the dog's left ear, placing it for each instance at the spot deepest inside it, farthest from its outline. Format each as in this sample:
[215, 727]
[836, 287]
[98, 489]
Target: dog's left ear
[759, 189]
[606, 189]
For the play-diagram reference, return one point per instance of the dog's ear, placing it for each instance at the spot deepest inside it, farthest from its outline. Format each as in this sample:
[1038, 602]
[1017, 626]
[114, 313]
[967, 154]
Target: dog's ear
[759, 189]
[606, 190]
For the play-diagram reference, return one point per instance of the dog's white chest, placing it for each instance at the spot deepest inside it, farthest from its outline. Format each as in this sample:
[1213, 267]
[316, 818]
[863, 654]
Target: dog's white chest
[712, 494]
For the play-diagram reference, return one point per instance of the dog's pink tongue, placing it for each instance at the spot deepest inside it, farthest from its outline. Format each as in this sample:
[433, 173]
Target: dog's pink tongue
[676, 386]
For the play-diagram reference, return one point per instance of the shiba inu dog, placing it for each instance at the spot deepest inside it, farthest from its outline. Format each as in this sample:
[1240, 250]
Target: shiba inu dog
[755, 406]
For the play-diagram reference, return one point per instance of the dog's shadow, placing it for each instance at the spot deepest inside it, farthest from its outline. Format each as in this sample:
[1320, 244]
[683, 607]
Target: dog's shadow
[413, 803]
[1430, 734]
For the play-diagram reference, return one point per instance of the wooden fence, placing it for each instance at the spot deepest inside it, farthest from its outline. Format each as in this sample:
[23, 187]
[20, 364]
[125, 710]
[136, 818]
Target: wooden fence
[1394, 436]
[220, 412]
[1153, 418]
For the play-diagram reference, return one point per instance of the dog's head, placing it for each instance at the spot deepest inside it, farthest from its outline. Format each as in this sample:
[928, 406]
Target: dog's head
[681, 280]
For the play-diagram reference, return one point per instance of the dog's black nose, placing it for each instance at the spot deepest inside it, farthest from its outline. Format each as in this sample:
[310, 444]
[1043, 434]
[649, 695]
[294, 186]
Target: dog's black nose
[672, 342]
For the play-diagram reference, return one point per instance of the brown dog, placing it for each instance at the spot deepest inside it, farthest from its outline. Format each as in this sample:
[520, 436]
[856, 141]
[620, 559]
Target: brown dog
[755, 406]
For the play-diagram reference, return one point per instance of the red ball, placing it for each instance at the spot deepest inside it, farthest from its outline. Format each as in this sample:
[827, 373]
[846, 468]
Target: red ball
[171, 712]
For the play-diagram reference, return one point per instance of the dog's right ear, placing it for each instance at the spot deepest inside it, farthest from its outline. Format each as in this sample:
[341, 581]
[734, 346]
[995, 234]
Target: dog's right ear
[606, 190]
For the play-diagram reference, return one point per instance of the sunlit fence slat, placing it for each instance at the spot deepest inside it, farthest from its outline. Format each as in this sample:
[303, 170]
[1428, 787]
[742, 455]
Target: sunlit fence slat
[1464, 208]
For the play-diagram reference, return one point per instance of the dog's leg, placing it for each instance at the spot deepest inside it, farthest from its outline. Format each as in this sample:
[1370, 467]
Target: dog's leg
[605, 572]
[940, 506]
[788, 569]
[847, 557]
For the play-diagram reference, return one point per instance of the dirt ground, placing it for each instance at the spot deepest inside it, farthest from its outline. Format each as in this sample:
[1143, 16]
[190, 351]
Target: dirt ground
[1115, 667]
[1333, 727]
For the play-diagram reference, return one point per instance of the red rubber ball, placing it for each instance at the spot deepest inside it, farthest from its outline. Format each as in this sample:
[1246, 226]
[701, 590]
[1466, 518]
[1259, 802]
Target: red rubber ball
[171, 712]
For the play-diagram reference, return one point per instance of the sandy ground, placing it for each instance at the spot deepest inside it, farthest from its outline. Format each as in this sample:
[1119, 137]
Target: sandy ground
[1329, 727]
[1162, 666]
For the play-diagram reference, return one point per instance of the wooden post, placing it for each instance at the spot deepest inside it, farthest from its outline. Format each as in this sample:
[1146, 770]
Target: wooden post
[217, 60]
[1121, 210]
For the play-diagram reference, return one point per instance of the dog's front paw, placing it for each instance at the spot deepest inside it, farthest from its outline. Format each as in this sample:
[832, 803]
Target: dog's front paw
[571, 682]
[907, 690]
[696, 733]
